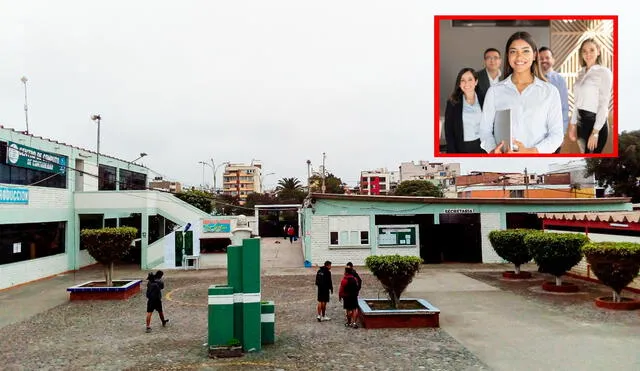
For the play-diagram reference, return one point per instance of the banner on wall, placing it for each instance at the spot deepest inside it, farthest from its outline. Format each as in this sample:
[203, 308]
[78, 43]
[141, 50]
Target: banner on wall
[216, 226]
[14, 195]
[31, 158]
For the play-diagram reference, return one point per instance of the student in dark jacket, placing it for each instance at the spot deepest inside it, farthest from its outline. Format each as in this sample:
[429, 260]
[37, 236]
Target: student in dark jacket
[325, 287]
[463, 114]
[154, 297]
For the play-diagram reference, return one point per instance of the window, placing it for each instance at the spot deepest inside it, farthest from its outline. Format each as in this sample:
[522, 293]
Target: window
[349, 230]
[517, 193]
[90, 221]
[106, 178]
[20, 242]
[130, 180]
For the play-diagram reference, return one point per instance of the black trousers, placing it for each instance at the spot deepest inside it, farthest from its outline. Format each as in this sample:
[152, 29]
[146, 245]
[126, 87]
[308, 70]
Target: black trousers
[585, 127]
[472, 147]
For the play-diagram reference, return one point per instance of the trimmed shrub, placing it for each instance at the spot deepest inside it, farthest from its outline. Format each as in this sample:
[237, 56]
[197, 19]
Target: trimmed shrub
[108, 245]
[555, 253]
[395, 272]
[509, 245]
[615, 264]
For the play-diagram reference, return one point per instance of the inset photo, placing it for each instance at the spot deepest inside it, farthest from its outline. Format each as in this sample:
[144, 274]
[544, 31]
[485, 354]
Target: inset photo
[526, 86]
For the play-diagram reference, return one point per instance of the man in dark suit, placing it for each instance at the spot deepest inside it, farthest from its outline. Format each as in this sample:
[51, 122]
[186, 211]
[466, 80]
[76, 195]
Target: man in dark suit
[491, 73]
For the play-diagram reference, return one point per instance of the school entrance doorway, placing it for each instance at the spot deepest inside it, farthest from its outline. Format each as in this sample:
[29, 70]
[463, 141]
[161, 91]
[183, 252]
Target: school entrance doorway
[273, 219]
[456, 239]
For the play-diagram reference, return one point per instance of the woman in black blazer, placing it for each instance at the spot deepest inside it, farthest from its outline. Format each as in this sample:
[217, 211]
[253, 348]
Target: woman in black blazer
[463, 114]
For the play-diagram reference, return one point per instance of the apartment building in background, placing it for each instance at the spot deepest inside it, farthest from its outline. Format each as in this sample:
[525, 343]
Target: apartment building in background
[165, 185]
[378, 182]
[425, 170]
[239, 180]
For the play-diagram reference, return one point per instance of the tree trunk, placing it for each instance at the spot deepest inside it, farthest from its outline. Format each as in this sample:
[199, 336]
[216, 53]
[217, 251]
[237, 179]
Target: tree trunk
[558, 281]
[517, 268]
[394, 300]
[106, 273]
[616, 297]
[110, 275]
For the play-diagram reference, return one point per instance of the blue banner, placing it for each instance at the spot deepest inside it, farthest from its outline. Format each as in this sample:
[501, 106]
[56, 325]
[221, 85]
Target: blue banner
[14, 195]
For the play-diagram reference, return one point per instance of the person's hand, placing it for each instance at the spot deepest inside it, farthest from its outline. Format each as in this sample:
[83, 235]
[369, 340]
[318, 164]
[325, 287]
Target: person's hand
[523, 149]
[593, 142]
[498, 148]
[572, 131]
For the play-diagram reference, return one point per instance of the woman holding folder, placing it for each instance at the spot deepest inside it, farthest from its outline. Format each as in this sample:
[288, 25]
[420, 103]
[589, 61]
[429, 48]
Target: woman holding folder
[535, 111]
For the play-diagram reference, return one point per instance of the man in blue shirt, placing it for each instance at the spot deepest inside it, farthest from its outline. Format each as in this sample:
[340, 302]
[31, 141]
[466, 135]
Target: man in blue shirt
[546, 62]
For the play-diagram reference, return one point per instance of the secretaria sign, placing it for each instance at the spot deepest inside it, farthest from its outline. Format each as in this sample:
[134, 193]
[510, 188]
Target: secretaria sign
[31, 158]
[14, 195]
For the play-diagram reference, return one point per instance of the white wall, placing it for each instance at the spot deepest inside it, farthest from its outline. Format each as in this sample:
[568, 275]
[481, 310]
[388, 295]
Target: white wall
[84, 259]
[30, 270]
[39, 198]
[489, 222]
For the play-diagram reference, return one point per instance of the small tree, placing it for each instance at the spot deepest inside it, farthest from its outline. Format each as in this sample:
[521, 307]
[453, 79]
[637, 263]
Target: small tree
[200, 199]
[107, 245]
[418, 188]
[395, 272]
[555, 253]
[616, 264]
[509, 245]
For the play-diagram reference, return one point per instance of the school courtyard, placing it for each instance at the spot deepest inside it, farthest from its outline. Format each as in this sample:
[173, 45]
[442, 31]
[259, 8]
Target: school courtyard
[486, 323]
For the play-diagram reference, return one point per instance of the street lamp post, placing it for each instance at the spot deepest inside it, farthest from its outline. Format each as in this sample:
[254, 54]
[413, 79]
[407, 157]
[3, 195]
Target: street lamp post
[97, 119]
[262, 181]
[203, 163]
[215, 171]
[26, 115]
[142, 154]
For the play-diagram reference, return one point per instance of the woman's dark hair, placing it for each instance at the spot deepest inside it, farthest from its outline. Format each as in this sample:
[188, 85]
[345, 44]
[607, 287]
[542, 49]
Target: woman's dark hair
[457, 92]
[583, 63]
[151, 277]
[535, 67]
[159, 274]
[348, 270]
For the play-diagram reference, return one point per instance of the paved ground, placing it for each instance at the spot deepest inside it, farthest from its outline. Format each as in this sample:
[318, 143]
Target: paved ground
[486, 323]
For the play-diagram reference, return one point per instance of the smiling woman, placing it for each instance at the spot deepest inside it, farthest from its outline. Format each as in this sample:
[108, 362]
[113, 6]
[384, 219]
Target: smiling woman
[532, 104]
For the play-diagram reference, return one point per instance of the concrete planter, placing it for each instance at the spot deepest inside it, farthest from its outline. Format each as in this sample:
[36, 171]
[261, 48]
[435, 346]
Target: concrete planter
[512, 275]
[426, 316]
[624, 304]
[566, 287]
[96, 290]
[225, 351]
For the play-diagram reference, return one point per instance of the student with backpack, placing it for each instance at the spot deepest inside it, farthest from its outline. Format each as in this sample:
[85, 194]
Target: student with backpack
[154, 297]
[357, 277]
[349, 290]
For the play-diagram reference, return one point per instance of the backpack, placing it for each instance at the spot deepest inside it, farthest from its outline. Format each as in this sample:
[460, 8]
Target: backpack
[352, 288]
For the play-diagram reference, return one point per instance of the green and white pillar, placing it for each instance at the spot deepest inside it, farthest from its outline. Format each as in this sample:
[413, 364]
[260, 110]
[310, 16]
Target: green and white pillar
[268, 322]
[251, 294]
[221, 316]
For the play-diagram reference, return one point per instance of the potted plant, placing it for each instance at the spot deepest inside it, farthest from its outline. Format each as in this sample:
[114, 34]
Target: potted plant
[615, 264]
[106, 246]
[395, 273]
[556, 253]
[509, 245]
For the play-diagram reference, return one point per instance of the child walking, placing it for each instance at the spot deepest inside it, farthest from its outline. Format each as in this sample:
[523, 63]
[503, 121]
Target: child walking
[154, 297]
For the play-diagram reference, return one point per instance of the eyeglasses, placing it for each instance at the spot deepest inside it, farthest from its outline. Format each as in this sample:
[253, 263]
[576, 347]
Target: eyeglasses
[492, 58]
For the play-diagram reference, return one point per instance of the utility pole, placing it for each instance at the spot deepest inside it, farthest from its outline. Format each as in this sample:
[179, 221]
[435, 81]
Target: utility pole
[526, 183]
[324, 187]
[309, 177]
[504, 185]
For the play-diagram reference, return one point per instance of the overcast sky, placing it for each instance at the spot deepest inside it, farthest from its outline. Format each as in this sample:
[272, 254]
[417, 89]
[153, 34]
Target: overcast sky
[277, 81]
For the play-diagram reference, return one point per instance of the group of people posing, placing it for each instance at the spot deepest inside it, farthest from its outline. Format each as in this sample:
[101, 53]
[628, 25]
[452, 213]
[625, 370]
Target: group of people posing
[348, 293]
[537, 98]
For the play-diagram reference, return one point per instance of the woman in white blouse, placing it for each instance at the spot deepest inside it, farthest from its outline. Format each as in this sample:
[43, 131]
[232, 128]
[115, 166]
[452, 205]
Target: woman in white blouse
[592, 93]
[536, 111]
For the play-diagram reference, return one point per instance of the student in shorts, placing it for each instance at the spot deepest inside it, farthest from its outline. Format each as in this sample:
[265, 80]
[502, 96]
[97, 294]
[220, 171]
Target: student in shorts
[536, 111]
[325, 288]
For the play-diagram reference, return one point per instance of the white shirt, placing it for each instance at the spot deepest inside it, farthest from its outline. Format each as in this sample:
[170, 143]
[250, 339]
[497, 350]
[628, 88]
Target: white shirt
[536, 115]
[471, 115]
[592, 92]
[493, 81]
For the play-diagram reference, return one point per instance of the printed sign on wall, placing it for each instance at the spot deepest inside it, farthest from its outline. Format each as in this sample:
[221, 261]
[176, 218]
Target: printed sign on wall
[31, 158]
[14, 195]
[216, 226]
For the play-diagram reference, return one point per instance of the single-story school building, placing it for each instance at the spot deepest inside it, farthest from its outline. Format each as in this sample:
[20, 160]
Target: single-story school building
[343, 228]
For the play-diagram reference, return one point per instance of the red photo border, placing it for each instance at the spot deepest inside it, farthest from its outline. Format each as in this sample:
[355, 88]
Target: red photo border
[436, 35]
